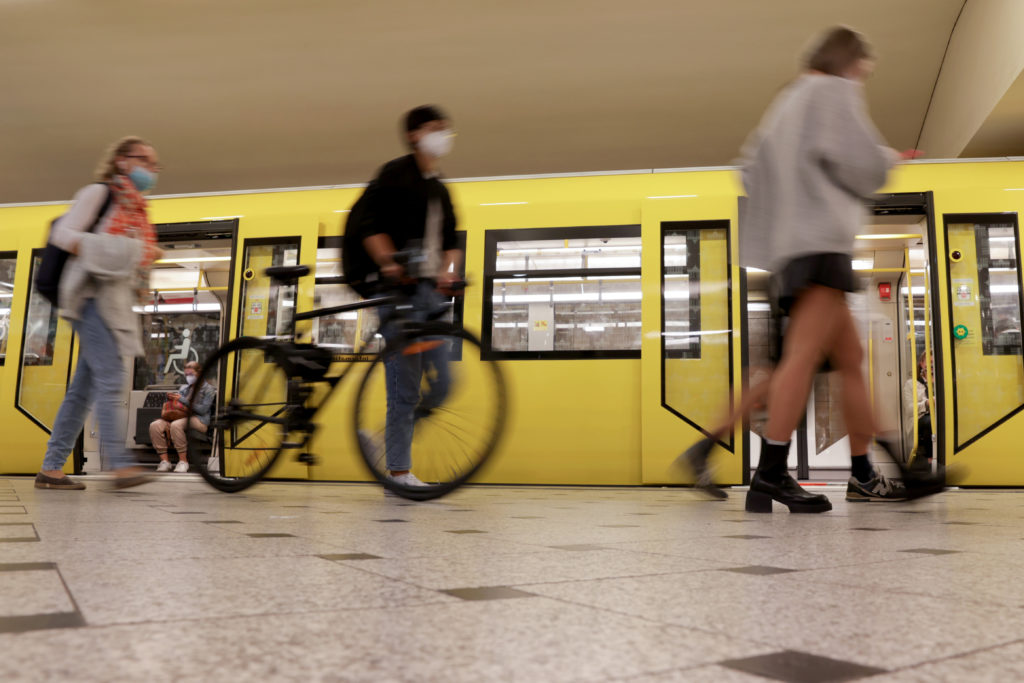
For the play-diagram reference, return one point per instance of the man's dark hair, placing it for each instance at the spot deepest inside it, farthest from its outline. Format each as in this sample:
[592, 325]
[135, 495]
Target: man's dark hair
[836, 51]
[421, 115]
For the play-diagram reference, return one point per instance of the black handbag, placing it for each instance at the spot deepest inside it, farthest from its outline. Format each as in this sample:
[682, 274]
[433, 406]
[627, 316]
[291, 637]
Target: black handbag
[47, 279]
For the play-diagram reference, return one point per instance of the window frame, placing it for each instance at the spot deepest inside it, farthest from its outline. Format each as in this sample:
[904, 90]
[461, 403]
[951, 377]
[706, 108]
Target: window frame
[491, 239]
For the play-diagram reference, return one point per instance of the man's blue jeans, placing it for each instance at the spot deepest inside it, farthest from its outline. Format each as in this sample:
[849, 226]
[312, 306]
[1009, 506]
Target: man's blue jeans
[99, 378]
[405, 375]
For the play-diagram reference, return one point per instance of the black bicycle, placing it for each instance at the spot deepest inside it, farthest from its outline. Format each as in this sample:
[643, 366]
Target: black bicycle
[270, 391]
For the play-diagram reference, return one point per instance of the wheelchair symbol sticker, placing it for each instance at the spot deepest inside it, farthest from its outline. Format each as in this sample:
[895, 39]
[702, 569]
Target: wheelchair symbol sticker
[184, 353]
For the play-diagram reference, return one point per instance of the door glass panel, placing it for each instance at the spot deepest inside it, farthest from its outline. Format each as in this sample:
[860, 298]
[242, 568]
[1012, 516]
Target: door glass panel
[267, 307]
[45, 356]
[986, 313]
[696, 326]
[8, 261]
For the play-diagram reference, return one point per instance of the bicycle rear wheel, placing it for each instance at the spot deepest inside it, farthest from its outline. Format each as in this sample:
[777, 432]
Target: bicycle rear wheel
[455, 425]
[247, 420]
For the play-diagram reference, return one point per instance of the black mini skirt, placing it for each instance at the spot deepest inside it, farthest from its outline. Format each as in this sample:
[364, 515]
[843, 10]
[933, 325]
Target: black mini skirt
[827, 270]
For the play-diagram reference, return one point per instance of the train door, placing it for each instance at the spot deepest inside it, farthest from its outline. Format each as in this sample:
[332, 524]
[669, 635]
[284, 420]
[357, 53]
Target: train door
[980, 295]
[690, 357]
[894, 315]
[266, 309]
[184, 319]
[893, 311]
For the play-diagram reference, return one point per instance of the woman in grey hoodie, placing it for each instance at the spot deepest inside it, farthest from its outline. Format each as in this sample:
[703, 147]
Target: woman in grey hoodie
[106, 274]
[808, 170]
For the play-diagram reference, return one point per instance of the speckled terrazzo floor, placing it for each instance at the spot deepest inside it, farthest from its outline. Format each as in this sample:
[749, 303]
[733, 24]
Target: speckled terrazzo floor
[175, 581]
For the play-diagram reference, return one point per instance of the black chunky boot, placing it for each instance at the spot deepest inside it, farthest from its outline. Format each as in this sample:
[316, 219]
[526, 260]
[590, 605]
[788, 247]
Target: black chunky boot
[772, 481]
[696, 458]
[785, 490]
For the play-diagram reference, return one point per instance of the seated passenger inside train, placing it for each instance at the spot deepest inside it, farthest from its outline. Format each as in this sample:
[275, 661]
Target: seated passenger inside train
[174, 424]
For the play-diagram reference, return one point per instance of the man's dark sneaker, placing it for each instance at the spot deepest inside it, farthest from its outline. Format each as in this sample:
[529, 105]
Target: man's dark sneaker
[878, 488]
[696, 458]
[45, 482]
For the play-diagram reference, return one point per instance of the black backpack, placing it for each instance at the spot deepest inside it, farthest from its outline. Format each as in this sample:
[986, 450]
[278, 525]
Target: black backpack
[52, 264]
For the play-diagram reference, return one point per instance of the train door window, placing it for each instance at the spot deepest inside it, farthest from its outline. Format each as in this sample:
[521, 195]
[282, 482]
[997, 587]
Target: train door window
[696, 327]
[986, 305]
[268, 307]
[8, 261]
[40, 325]
[562, 293]
[183, 316]
[46, 347]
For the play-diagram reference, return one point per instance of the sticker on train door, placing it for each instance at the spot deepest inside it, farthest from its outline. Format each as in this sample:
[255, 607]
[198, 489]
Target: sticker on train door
[964, 295]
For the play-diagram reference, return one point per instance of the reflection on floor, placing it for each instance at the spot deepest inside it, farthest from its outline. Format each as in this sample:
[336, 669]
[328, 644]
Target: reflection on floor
[288, 581]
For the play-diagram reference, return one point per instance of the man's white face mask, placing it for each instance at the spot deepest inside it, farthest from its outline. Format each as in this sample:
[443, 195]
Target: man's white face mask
[437, 144]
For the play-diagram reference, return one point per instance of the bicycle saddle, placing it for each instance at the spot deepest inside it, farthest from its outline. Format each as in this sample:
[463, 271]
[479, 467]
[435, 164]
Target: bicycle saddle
[286, 273]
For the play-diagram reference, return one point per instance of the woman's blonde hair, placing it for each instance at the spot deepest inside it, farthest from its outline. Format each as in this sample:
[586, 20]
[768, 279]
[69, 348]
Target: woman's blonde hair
[107, 168]
[194, 365]
[836, 50]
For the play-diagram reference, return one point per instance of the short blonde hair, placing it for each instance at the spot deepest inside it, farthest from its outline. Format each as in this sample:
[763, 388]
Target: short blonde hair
[836, 50]
[107, 168]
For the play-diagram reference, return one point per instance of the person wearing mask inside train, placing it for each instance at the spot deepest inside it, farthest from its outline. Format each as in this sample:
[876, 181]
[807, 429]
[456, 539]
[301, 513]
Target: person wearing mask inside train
[923, 456]
[808, 170]
[406, 211]
[112, 246]
[201, 401]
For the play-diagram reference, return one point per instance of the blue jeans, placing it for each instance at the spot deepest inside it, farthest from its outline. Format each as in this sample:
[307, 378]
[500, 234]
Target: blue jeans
[404, 375]
[99, 378]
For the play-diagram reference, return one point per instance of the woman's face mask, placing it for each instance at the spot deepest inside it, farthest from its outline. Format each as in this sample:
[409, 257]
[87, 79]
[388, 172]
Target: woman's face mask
[142, 178]
[190, 379]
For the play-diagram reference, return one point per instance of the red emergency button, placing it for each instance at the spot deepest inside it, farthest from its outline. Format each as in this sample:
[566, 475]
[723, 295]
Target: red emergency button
[885, 291]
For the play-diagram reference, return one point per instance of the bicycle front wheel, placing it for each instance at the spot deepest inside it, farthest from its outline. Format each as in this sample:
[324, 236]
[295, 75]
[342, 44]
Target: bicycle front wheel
[432, 407]
[248, 419]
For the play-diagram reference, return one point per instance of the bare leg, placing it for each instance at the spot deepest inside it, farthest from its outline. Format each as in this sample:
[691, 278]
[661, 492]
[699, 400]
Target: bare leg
[814, 321]
[846, 356]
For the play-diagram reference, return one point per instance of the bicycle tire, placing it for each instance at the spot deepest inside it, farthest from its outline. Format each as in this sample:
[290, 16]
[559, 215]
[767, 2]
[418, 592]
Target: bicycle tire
[249, 366]
[475, 399]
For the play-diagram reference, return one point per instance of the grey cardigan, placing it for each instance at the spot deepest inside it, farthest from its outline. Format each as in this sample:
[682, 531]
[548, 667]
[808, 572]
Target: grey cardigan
[807, 170]
[105, 269]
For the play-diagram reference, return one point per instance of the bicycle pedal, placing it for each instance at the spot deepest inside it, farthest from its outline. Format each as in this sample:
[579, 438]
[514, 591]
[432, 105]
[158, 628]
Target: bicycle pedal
[307, 458]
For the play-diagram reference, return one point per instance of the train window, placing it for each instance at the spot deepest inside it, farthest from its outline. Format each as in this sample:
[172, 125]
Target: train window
[40, 323]
[267, 307]
[999, 295]
[354, 331]
[183, 316]
[349, 332]
[562, 293]
[8, 261]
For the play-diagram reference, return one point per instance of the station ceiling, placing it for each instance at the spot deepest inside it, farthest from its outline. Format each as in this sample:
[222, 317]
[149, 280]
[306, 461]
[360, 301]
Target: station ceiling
[242, 94]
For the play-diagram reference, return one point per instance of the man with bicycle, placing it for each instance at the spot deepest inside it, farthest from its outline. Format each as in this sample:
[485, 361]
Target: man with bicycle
[402, 231]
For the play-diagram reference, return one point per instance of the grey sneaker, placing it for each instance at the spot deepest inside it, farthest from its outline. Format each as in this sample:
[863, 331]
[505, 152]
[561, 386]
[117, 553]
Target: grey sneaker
[878, 488]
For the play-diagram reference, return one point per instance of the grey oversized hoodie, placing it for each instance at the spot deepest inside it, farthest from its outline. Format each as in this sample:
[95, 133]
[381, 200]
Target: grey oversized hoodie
[807, 170]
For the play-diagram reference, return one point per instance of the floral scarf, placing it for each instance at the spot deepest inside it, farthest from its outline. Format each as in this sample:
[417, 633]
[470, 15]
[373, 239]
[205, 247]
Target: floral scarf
[129, 218]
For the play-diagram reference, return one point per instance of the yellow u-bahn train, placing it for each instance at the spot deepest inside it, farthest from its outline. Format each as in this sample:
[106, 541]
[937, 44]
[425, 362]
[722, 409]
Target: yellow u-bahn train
[615, 302]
